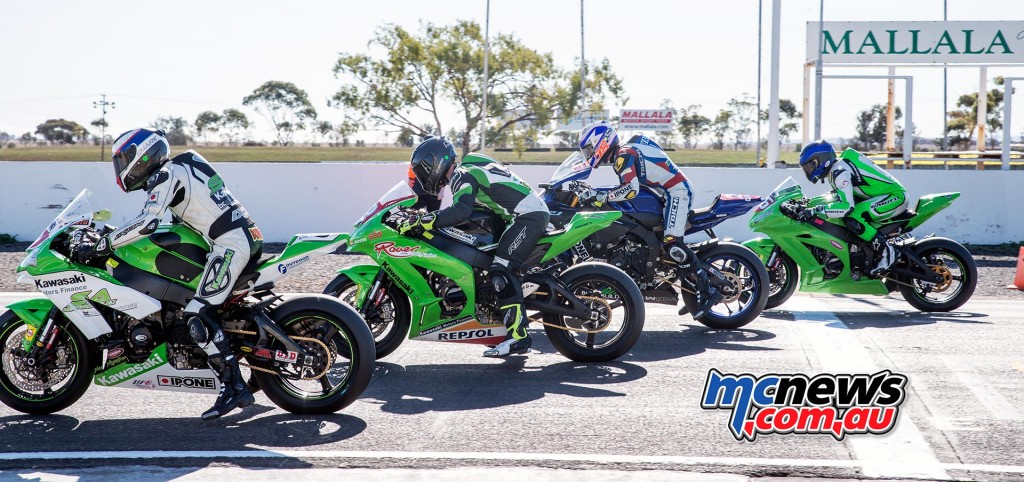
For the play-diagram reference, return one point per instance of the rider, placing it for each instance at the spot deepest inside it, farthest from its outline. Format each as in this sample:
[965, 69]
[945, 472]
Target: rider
[192, 190]
[642, 161]
[482, 181]
[864, 193]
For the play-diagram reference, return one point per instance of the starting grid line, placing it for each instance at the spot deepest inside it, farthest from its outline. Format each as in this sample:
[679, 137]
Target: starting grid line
[482, 456]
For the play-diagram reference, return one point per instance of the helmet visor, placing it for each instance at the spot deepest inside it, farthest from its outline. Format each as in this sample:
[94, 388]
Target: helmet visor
[588, 151]
[810, 167]
[443, 181]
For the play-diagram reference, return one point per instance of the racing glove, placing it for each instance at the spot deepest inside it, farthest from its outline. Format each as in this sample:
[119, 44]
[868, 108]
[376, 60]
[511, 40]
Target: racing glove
[807, 214]
[88, 250]
[417, 224]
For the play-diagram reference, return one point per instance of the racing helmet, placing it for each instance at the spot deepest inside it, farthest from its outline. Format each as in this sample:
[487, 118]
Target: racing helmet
[433, 163]
[598, 143]
[817, 159]
[136, 155]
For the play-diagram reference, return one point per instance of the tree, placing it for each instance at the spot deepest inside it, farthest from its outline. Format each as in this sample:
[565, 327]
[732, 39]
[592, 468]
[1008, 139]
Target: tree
[207, 122]
[720, 127]
[422, 73]
[286, 106]
[691, 125]
[871, 127]
[788, 115]
[964, 120]
[26, 138]
[62, 131]
[232, 122]
[175, 130]
[743, 113]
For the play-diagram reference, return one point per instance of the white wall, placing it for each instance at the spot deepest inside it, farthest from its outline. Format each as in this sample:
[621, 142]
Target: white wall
[289, 198]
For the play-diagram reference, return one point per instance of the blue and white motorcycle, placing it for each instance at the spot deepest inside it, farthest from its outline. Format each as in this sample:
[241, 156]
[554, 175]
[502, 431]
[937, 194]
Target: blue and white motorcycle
[633, 244]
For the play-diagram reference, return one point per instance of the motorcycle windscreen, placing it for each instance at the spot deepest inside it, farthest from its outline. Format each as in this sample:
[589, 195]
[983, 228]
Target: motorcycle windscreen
[400, 192]
[573, 168]
[79, 211]
[785, 187]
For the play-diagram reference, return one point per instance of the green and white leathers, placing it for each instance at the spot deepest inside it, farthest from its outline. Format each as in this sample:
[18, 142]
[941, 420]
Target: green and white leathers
[488, 183]
[863, 192]
[119, 322]
[823, 256]
[437, 286]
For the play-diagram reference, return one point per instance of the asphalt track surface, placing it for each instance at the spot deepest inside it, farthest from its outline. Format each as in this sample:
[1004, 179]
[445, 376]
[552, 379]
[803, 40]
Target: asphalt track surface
[435, 406]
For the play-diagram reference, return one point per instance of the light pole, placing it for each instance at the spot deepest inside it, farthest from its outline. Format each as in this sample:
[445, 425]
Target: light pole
[487, 55]
[102, 104]
[583, 71]
[817, 72]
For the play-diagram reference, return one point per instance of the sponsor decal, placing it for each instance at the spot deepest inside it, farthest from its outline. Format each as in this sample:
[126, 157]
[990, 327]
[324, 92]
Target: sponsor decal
[284, 267]
[255, 233]
[114, 353]
[70, 280]
[581, 250]
[82, 301]
[286, 356]
[120, 234]
[465, 335]
[519, 240]
[393, 276]
[836, 244]
[154, 198]
[30, 333]
[447, 324]
[130, 371]
[390, 249]
[375, 235]
[673, 213]
[187, 382]
[128, 307]
[263, 353]
[143, 384]
[838, 404]
[459, 235]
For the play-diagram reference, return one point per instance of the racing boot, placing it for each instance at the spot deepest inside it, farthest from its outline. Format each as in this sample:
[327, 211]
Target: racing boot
[681, 255]
[881, 245]
[234, 393]
[517, 340]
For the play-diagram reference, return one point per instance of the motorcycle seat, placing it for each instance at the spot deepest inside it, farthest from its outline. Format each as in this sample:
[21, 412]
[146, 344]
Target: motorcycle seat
[249, 272]
[901, 217]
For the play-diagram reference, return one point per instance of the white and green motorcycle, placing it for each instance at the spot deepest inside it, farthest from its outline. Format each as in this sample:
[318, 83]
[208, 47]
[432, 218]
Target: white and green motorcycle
[118, 322]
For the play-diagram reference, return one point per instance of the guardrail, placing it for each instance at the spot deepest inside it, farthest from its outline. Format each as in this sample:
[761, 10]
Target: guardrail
[948, 160]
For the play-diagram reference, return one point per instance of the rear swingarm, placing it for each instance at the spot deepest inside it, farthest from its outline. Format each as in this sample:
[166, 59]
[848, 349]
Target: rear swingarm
[551, 302]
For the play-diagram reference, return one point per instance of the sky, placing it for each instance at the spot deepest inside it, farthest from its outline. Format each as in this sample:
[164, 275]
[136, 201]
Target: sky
[183, 57]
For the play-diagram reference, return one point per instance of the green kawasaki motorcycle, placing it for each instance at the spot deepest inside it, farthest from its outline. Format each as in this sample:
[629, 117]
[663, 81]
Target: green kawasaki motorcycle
[434, 286]
[932, 273]
[118, 322]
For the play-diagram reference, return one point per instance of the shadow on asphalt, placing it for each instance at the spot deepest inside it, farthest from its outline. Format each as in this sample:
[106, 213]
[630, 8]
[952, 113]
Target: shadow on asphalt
[29, 433]
[694, 340]
[416, 389]
[890, 319]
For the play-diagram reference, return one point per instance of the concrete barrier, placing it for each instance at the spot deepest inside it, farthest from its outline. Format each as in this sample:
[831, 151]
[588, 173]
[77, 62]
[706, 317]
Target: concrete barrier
[289, 198]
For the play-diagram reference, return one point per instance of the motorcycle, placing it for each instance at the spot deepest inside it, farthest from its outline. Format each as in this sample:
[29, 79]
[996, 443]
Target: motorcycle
[118, 322]
[932, 273]
[633, 243]
[434, 286]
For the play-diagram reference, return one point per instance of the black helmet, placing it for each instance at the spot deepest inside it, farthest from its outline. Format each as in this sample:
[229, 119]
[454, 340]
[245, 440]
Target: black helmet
[137, 154]
[816, 159]
[433, 163]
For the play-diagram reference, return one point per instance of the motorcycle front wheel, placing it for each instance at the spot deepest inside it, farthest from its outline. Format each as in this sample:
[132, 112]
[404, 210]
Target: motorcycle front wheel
[46, 384]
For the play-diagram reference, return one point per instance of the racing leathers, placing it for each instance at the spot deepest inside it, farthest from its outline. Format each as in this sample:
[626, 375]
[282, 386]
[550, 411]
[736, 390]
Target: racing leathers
[485, 182]
[863, 194]
[642, 162]
[192, 190]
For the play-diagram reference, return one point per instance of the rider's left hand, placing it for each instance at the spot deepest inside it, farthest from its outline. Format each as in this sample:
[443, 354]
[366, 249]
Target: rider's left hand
[416, 224]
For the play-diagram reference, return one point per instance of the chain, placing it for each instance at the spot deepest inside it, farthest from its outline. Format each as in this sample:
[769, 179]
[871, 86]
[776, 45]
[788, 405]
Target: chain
[581, 330]
[327, 367]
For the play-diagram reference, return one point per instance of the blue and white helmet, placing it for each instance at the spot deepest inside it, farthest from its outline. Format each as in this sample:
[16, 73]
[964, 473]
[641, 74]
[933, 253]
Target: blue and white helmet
[816, 159]
[137, 154]
[598, 143]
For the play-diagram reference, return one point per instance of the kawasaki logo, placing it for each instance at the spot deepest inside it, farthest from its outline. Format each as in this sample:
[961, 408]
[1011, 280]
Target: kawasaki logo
[130, 371]
[50, 283]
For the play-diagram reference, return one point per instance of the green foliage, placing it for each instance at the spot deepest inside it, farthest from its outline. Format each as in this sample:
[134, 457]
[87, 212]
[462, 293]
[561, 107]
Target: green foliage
[964, 119]
[871, 127]
[26, 138]
[7, 238]
[720, 127]
[419, 73]
[788, 115]
[691, 125]
[286, 106]
[232, 123]
[62, 131]
[207, 122]
[743, 113]
[175, 130]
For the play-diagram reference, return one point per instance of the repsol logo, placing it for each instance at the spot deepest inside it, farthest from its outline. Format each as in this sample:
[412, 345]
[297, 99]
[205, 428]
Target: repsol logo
[187, 382]
[465, 335]
[50, 283]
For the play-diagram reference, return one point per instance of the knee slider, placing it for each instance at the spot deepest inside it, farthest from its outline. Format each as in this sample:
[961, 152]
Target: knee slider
[198, 330]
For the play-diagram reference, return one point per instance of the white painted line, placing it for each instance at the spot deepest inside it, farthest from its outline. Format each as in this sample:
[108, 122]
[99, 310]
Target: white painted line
[987, 395]
[518, 457]
[901, 453]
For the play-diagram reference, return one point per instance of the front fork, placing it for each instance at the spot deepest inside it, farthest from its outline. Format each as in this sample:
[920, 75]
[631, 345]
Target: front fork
[43, 340]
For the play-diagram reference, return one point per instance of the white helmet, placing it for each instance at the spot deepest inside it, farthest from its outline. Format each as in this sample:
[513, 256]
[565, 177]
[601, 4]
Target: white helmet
[137, 154]
[598, 142]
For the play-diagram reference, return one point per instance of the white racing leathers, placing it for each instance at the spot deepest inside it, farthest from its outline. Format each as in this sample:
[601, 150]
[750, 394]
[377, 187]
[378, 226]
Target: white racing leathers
[193, 191]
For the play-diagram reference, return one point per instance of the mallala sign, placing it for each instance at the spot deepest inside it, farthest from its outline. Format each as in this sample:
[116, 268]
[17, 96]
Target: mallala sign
[917, 42]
